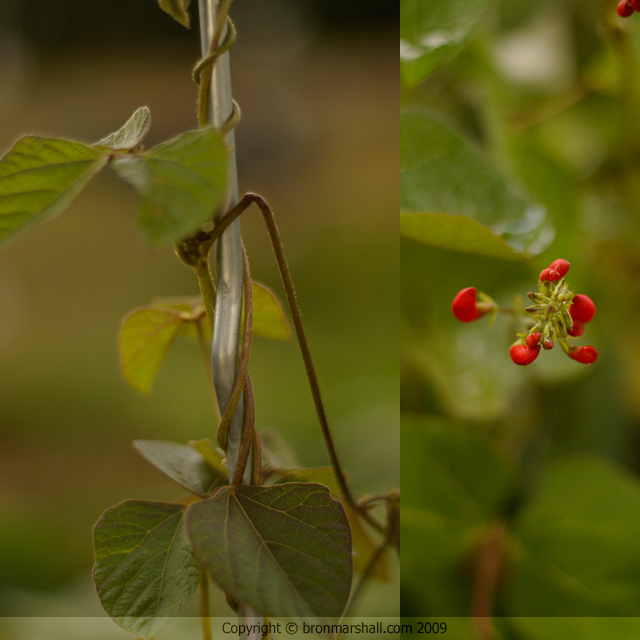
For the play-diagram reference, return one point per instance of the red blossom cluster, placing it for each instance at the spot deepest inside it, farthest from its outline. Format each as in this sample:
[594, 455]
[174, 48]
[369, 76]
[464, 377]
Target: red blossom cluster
[557, 314]
[627, 7]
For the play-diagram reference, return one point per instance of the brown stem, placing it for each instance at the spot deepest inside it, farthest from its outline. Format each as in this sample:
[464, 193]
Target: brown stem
[204, 606]
[488, 569]
[248, 434]
[204, 351]
[276, 243]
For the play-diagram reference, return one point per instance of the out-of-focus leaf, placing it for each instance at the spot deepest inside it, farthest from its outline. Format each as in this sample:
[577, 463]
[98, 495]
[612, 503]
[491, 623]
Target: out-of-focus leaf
[576, 549]
[146, 334]
[144, 570]
[455, 233]
[178, 10]
[453, 486]
[284, 549]
[577, 628]
[40, 178]
[183, 464]
[269, 320]
[440, 173]
[182, 183]
[131, 134]
[432, 30]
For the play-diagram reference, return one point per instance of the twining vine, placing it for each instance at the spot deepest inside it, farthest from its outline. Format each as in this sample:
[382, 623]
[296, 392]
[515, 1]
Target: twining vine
[151, 556]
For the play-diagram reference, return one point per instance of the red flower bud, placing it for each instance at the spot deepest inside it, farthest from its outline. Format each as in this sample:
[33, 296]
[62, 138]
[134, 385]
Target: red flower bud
[624, 9]
[635, 5]
[464, 305]
[582, 308]
[577, 330]
[548, 345]
[556, 270]
[544, 276]
[523, 355]
[585, 355]
[533, 339]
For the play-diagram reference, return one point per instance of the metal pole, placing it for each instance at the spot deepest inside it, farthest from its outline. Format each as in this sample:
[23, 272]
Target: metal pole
[229, 269]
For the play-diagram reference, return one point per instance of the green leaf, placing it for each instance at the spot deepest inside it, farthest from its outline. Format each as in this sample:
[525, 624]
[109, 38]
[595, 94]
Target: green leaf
[183, 464]
[455, 233]
[441, 175]
[182, 183]
[453, 486]
[178, 10]
[269, 320]
[40, 178]
[212, 455]
[432, 30]
[284, 549]
[576, 550]
[146, 334]
[363, 546]
[144, 570]
[131, 134]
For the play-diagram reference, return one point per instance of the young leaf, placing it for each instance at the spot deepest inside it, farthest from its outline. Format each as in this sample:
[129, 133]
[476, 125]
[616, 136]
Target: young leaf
[284, 549]
[575, 550]
[269, 320]
[183, 464]
[40, 178]
[146, 334]
[433, 30]
[178, 10]
[441, 175]
[208, 451]
[131, 134]
[144, 569]
[182, 183]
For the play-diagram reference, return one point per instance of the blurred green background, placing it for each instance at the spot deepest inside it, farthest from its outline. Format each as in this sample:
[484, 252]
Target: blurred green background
[317, 84]
[549, 92]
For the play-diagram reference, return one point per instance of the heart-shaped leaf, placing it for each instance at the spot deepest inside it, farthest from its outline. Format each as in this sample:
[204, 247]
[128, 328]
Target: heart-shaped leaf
[456, 199]
[144, 570]
[131, 134]
[40, 178]
[146, 335]
[284, 549]
[182, 183]
[183, 464]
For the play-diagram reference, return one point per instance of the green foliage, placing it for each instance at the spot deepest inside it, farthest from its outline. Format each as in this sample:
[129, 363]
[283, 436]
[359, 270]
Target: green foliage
[145, 570]
[40, 178]
[181, 182]
[454, 486]
[269, 320]
[440, 173]
[433, 30]
[184, 465]
[131, 134]
[576, 550]
[284, 549]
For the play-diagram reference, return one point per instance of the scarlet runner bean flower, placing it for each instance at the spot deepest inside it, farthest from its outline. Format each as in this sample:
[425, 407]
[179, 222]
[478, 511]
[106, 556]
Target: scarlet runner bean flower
[523, 355]
[466, 308]
[624, 9]
[557, 314]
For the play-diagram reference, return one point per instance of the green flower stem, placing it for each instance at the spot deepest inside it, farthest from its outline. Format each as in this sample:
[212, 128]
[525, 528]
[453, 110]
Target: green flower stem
[203, 343]
[207, 288]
